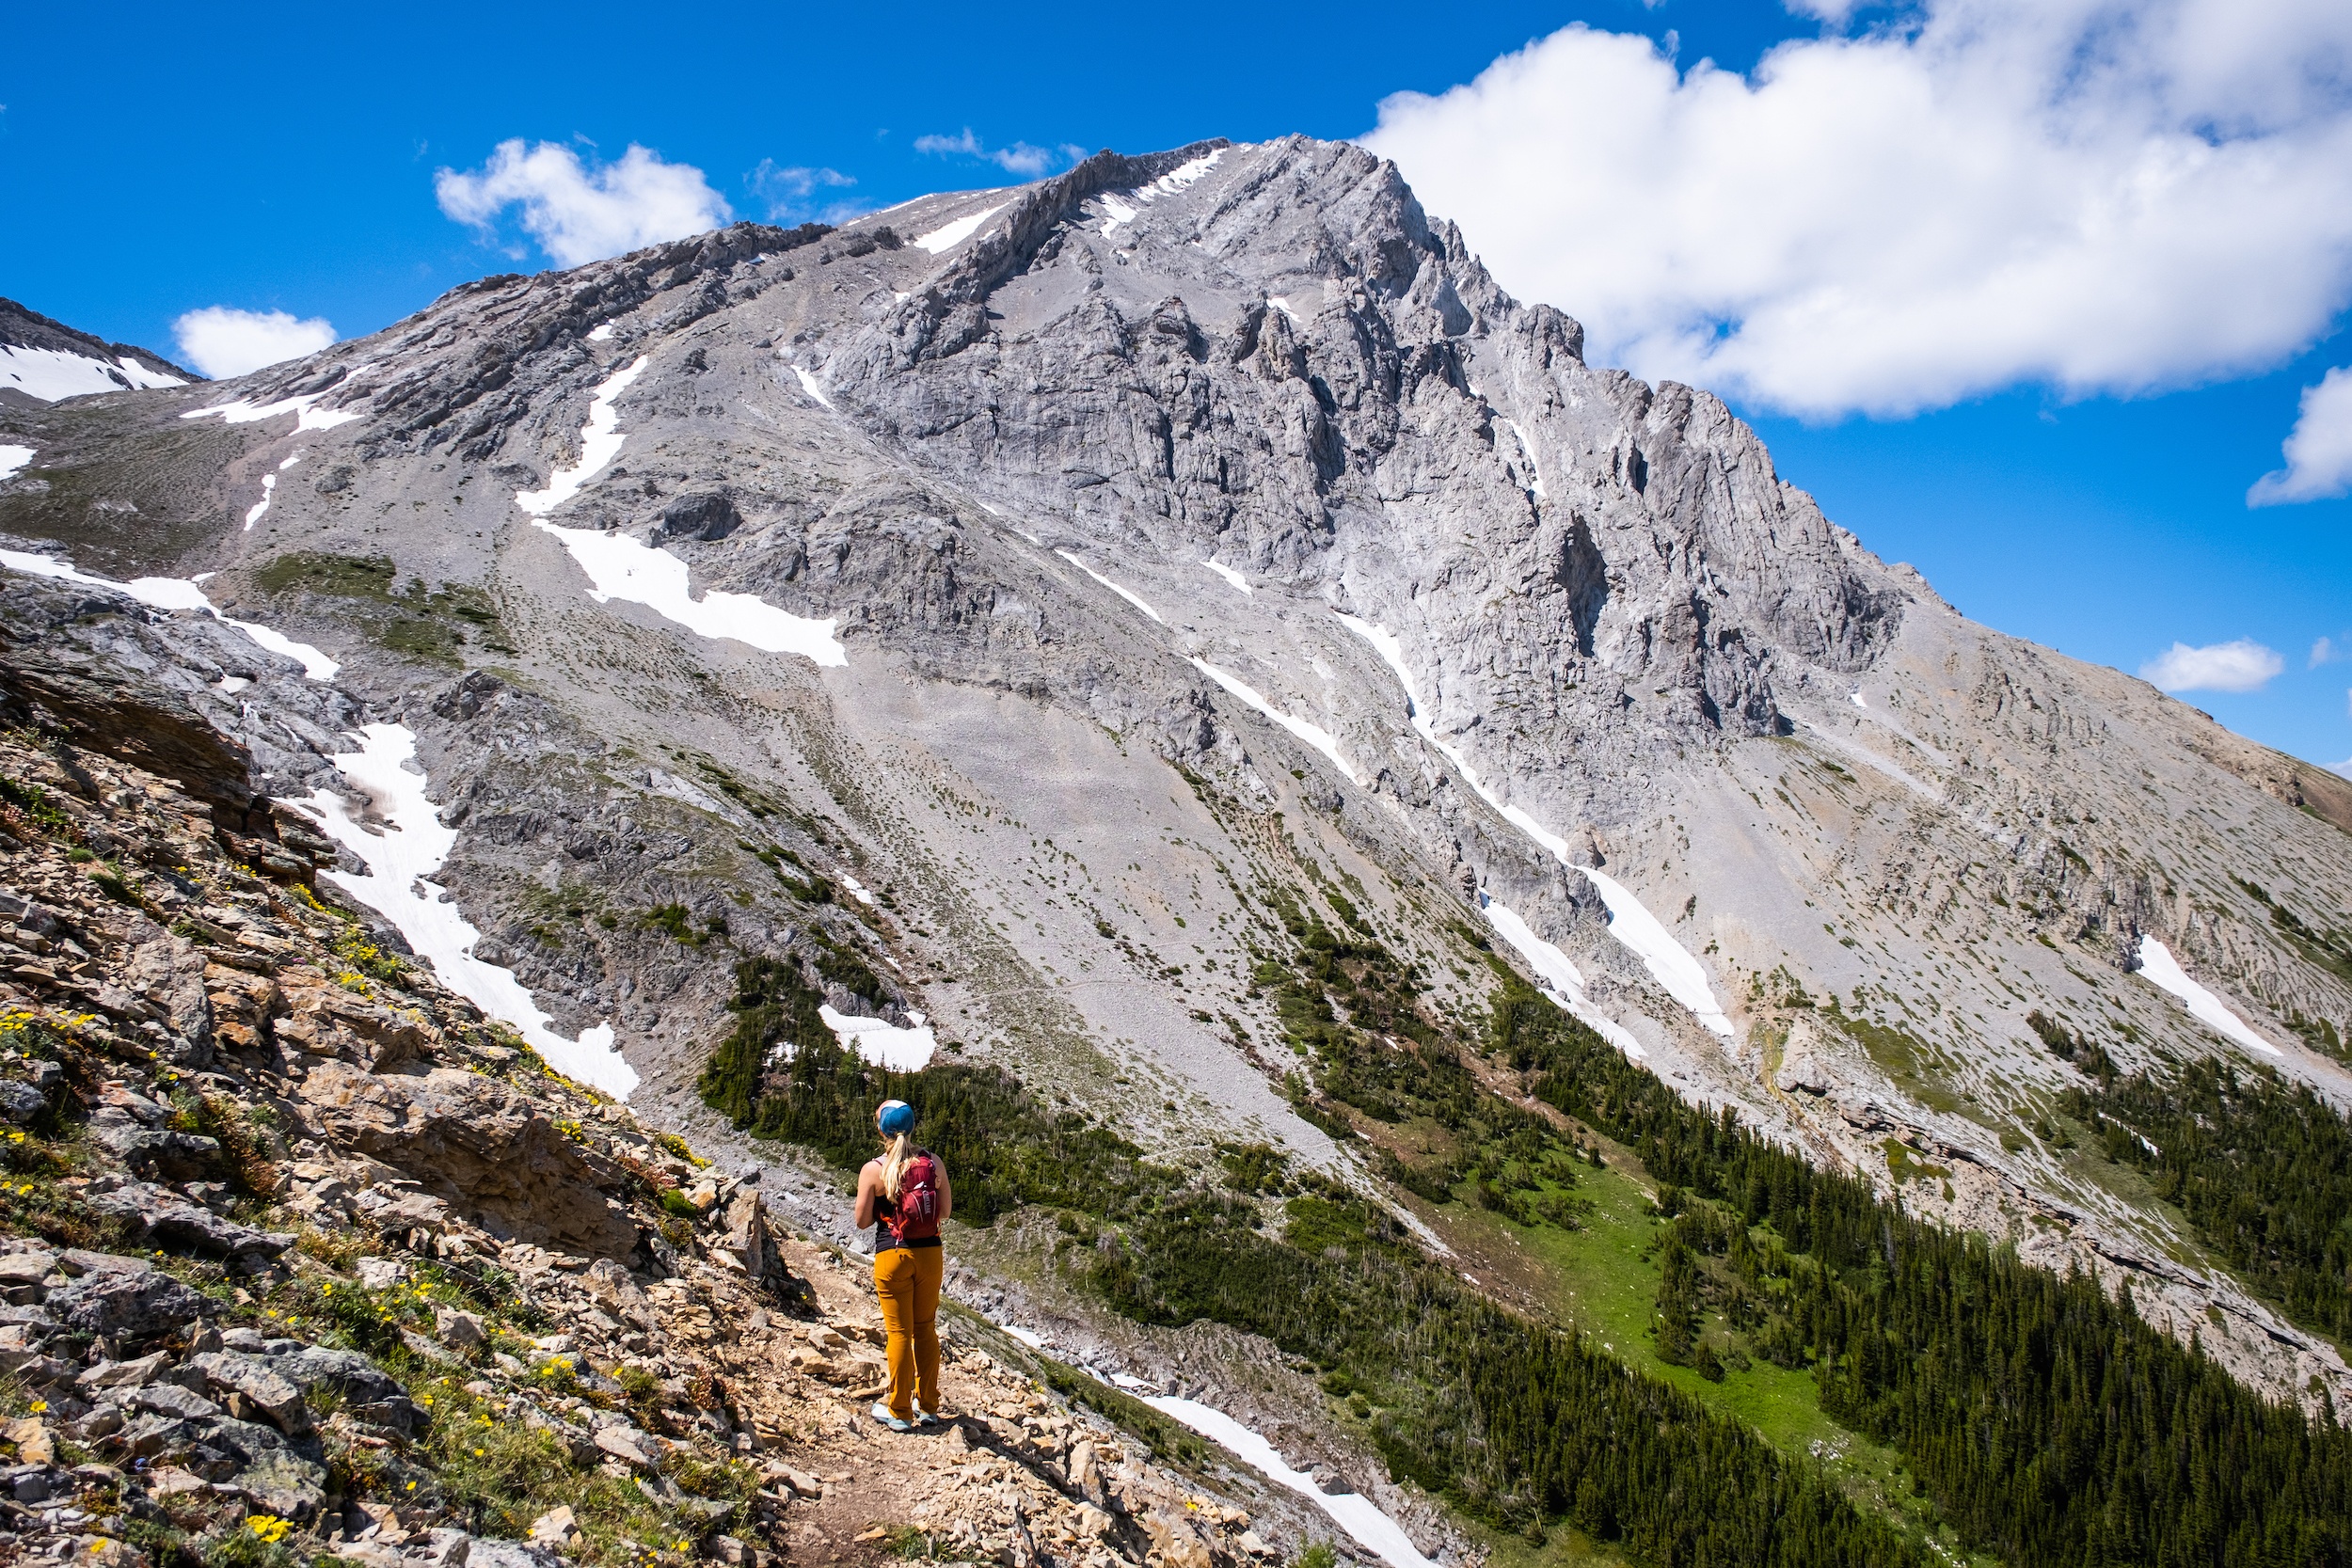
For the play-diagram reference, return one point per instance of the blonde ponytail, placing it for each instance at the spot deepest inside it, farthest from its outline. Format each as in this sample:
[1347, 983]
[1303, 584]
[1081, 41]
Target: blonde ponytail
[894, 1157]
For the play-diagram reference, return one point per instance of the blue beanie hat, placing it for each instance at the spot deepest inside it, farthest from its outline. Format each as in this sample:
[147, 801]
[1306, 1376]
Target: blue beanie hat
[896, 1116]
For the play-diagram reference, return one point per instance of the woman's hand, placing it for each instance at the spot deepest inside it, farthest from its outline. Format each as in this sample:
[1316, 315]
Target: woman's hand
[946, 1191]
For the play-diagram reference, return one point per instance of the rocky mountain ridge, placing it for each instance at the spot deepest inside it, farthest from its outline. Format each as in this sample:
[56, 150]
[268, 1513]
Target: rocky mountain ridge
[42, 361]
[1010, 591]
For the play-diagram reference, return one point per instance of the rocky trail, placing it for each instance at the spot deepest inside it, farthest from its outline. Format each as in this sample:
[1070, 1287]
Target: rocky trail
[300, 1255]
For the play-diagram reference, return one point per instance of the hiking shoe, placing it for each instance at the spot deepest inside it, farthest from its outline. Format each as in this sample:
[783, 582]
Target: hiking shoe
[924, 1419]
[882, 1414]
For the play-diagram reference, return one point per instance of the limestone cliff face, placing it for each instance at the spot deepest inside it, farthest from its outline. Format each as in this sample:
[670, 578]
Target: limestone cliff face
[1135, 499]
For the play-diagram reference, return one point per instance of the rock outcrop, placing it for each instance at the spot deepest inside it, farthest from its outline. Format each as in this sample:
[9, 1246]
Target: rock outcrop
[408, 1298]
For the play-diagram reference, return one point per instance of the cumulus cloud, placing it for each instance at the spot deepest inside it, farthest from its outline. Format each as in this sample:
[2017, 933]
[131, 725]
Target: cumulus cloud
[221, 340]
[2318, 449]
[2244, 665]
[578, 212]
[2327, 650]
[1020, 158]
[787, 191]
[2099, 196]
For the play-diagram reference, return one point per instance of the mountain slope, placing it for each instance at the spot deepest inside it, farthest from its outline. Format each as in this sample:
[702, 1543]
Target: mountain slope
[42, 361]
[1081, 571]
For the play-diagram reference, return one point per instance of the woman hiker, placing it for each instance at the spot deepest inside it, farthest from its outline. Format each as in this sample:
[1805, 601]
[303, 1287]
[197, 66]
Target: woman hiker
[904, 1193]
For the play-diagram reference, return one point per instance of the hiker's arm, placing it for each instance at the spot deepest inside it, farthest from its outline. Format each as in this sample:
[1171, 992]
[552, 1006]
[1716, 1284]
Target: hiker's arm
[947, 1191]
[868, 1189]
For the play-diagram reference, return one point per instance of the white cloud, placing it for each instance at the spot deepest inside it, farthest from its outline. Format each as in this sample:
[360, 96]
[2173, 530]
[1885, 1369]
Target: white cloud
[2095, 194]
[2244, 665]
[1020, 158]
[580, 213]
[221, 340]
[786, 192]
[2318, 451]
[2327, 650]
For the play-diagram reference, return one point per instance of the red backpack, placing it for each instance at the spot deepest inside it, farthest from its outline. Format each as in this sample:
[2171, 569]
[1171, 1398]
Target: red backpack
[914, 1217]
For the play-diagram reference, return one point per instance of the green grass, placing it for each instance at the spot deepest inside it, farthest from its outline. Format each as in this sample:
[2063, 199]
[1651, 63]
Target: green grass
[434, 625]
[1603, 1281]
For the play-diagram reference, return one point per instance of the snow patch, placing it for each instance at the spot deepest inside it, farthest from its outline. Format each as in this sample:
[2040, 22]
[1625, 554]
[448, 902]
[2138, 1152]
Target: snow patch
[1352, 1511]
[1229, 576]
[51, 374]
[12, 461]
[1028, 1336]
[1312, 734]
[1857, 700]
[412, 845]
[600, 441]
[602, 334]
[1185, 174]
[808, 385]
[881, 1042]
[950, 235]
[1282, 304]
[2159, 968]
[622, 567]
[1557, 974]
[1132, 599]
[1669, 963]
[176, 593]
[1130, 1383]
[1175, 180]
[269, 482]
[857, 889]
[307, 417]
[1535, 469]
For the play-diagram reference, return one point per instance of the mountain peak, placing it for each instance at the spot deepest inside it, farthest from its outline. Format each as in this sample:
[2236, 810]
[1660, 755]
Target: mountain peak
[1019, 612]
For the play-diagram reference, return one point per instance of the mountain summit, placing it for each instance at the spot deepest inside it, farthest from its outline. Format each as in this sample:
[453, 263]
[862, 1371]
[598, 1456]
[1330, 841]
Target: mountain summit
[1032, 616]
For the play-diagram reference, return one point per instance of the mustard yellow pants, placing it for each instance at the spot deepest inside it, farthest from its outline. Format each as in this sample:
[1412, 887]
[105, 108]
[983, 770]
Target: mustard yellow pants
[906, 1281]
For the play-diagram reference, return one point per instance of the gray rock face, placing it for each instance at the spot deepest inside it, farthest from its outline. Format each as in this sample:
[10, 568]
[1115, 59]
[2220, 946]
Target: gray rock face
[127, 1304]
[1132, 514]
[156, 1216]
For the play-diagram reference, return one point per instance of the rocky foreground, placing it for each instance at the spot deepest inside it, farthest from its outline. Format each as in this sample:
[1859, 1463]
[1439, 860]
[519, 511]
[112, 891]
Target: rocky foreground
[301, 1255]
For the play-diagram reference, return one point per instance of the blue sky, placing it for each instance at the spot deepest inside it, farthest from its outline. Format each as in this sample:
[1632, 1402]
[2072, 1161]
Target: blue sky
[156, 160]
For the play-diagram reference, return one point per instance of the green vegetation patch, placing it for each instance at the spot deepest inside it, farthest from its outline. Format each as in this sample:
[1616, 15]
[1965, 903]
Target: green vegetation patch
[2040, 1421]
[2259, 1165]
[435, 625]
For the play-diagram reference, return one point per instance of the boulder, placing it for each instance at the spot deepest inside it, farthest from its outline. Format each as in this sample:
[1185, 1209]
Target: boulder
[705, 516]
[259, 1383]
[365, 1392]
[170, 1399]
[125, 1305]
[282, 1483]
[458, 1330]
[627, 1445]
[150, 1152]
[25, 1268]
[126, 1374]
[159, 1217]
[477, 1144]
[555, 1527]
